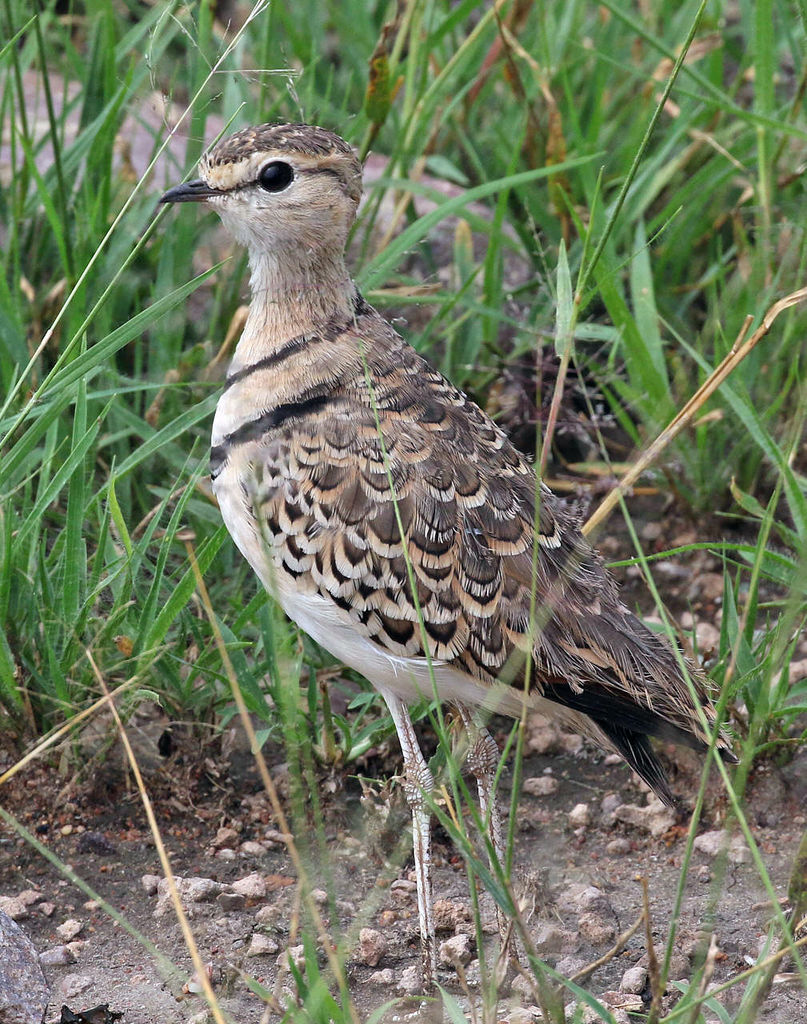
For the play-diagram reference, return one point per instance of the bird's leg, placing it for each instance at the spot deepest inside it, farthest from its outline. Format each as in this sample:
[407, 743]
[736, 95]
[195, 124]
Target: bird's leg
[418, 784]
[482, 761]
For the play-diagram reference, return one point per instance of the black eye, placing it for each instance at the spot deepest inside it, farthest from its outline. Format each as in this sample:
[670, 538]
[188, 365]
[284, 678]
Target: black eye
[276, 176]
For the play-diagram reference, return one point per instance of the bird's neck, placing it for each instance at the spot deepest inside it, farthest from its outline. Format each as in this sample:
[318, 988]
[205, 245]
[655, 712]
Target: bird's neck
[294, 293]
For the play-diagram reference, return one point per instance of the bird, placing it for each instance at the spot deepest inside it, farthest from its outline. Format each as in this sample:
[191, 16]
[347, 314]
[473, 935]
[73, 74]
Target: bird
[393, 519]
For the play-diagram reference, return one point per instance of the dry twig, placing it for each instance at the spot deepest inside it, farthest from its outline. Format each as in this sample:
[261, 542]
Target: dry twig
[739, 350]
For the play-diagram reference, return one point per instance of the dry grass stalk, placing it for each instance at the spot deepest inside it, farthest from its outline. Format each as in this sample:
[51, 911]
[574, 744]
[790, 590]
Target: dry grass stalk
[653, 971]
[622, 940]
[179, 910]
[739, 350]
[67, 727]
[326, 942]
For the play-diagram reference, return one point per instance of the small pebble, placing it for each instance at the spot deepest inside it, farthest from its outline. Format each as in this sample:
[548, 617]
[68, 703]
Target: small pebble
[402, 891]
[47, 909]
[592, 1016]
[522, 986]
[580, 816]
[448, 914]
[626, 1001]
[262, 945]
[589, 898]
[571, 743]
[798, 670]
[409, 982]
[271, 835]
[196, 890]
[651, 530]
[610, 802]
[618, 847]
[226, 853]
[570, 965]
[456, 950]
[711, 844]
[57, 956]
[191, 890]
[708, 637]
[385, 977]
[655, 818]
[542, 785]
[69, 929]
[548, 938]
[372, 946]
[596, 928]
[295, 955]
[707, 587]
[608, 806]
[251, 848]
[634, 979]
[320, 897]
[16, 909]
[73, 985]
[267, 915]
[403, 885]
[521, 1015]
[29, 897]
[225, 837]
[251, 886]
[150, 883]
[230, 902]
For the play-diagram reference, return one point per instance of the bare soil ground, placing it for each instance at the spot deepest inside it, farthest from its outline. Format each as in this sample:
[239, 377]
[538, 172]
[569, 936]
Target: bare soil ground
[561, 862]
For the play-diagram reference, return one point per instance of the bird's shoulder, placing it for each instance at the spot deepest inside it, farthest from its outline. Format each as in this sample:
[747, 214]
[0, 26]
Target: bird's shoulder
[393, 428]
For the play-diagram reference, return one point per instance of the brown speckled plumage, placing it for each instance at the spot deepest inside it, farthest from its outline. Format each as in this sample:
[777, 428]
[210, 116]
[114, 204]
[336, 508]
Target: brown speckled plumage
[330, 419]
[305, 139]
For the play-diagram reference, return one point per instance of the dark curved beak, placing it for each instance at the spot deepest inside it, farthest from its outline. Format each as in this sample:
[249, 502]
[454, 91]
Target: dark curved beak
[190, 192]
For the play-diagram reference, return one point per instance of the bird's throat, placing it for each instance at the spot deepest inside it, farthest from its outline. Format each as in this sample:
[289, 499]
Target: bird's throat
[294, 293]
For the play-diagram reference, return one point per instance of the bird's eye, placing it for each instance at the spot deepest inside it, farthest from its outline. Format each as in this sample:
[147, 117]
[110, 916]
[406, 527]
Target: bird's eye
[275, 176]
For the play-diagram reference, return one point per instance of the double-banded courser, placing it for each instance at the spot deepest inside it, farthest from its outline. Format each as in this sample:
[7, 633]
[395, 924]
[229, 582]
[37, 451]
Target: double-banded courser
[391, 518]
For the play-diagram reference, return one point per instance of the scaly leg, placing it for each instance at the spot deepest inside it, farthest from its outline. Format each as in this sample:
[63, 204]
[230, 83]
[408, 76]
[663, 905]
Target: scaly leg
[482, 760]
[418, 784]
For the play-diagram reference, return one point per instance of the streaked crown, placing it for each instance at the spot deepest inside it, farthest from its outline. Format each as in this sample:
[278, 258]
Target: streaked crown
[238, 160]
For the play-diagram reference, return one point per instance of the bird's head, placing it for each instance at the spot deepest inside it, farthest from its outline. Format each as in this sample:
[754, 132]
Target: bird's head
[279, 187]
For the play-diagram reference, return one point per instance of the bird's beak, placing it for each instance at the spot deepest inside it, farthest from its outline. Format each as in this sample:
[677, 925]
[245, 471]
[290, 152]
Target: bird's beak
[190, 192]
